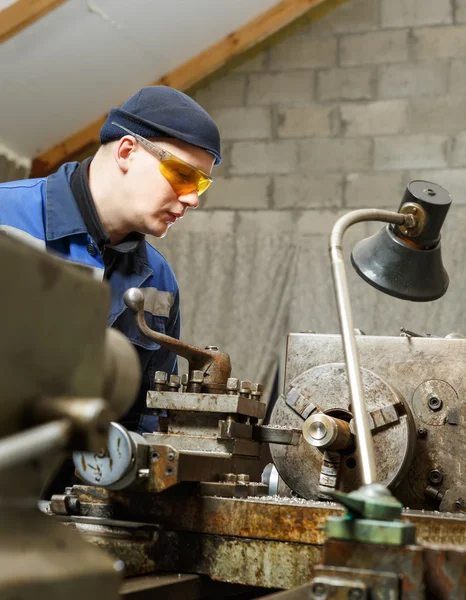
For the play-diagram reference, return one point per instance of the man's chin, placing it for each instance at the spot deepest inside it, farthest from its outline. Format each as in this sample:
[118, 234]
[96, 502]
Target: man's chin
[161, 230]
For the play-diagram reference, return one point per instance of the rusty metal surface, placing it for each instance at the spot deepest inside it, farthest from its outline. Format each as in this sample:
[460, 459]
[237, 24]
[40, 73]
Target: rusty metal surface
[247, 561]
[233, 489]
[238, 560]
[269, 518]
[205, 444]
[417, 367]
[264, 542]
[216, 403]
[131, 543]
[407, 561]
[326, 388]
[168, 466]
[215, 365]
[284, 520]
[446, 572]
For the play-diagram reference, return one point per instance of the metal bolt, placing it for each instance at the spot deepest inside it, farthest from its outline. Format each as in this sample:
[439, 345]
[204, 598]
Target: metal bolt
[355, 594]
[160, 377]
[184, 382]
[197, 377]
[435, 477]
[243, 478]
[245, 388]
[232, 385]
[171, 456]
[155, 455]
[160, 381]
[213, 348]
[174, 383]
[435, 403]
[422, 433]
[229, 478]
[169, 471]
[320, 590]
[257, 389]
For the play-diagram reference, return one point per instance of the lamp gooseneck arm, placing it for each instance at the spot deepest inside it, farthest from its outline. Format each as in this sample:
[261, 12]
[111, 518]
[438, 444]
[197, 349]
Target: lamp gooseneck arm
[363, 434]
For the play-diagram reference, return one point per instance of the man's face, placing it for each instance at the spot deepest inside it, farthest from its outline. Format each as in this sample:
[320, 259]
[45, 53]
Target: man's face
[153, 206]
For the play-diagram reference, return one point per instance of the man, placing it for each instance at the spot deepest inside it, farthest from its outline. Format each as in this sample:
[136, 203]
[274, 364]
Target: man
[156, 157]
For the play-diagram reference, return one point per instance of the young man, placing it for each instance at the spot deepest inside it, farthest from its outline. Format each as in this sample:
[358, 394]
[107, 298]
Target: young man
[156, 158]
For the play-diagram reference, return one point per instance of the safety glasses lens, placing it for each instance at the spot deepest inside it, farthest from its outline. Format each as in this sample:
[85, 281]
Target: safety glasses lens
[183, 178]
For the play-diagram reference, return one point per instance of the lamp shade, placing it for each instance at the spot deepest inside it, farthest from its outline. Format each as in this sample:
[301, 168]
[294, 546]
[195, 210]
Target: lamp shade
[404, 265]
[393, 266]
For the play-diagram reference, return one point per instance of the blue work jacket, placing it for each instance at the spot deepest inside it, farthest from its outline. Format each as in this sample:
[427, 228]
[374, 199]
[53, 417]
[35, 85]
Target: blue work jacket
[43, 212]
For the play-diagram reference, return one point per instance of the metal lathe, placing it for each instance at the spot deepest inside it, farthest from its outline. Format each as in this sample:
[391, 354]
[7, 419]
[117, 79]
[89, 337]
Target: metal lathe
[365, 494]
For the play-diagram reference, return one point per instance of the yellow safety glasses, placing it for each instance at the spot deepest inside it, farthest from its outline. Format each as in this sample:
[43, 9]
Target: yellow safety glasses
[183, 177]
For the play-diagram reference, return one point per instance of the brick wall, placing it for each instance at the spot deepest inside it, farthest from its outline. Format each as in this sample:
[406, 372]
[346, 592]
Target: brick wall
[346, 112]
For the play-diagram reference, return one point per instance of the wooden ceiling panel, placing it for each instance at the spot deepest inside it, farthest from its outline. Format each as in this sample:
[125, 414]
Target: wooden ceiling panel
[252, 37]
[21, 14]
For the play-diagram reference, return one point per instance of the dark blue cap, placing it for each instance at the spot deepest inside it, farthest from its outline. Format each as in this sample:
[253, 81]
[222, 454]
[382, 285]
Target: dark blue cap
[161, 111]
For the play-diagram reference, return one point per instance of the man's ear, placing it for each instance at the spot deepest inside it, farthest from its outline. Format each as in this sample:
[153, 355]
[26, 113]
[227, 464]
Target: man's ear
[123, 150]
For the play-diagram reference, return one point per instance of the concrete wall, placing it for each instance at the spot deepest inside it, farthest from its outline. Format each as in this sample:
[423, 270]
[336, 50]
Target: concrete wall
[339, 116]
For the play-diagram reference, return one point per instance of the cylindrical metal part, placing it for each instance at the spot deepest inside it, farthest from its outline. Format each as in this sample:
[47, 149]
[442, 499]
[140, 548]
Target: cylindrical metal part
[433, 494]
[431, 199]
[364, 438]
[324, 431]
[122, 372]
[35, 442]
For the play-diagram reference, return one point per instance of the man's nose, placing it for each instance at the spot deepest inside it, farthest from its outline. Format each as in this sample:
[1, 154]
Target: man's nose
[191, 200]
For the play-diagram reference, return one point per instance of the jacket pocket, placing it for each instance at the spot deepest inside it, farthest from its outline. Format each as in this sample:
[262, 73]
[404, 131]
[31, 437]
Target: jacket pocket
[126, 323]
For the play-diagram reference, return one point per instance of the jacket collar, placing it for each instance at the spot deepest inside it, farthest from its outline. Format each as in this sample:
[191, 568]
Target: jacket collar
[62, 213]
